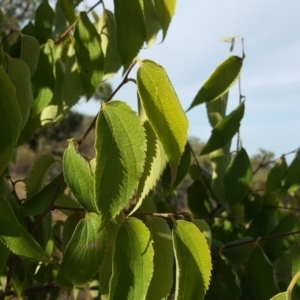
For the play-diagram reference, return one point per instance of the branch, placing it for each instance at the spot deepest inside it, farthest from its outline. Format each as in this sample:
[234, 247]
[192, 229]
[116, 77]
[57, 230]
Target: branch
[265, 238]
[66, 208]
[93, 124]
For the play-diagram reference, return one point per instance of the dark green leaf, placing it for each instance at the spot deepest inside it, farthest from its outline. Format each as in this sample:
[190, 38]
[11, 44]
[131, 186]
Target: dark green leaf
[225, 130]
[292, 178]
[130, 29]
[87, 45]
[238, 178]
[259, 274]
[219, 81]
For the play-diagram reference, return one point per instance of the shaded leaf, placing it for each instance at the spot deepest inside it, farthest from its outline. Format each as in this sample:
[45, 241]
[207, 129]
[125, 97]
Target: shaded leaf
[16, 237]
[292, 178]
[67, 7]
[79, 178]
[84, 252]
[41, 200]
[205, 229]
[238, 178]
[10, 119]
[35, 179]
[219, 81]
[130, 29]
[163, 259]
[193, 261]
[261, 283]
[120, 153]
[87, 45]
[108, 33]
[225, 130]
[163, 109]
[132, 266]
[165, 10]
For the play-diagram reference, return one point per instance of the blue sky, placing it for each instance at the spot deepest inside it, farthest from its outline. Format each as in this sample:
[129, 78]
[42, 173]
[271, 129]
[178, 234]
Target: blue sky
[270, 75]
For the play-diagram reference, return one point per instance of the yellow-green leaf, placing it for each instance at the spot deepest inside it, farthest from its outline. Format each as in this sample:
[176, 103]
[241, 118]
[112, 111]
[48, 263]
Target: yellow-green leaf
[219, 81]
[193, 261]
[87, 45]
[163, 109]
[120, 155]
[132, 265]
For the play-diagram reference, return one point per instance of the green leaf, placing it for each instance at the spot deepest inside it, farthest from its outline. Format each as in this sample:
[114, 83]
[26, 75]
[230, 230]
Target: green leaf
[79, 177]
[35, 179]
[163, 109]
[238, 178]
[292, 179]
[16, 237]
[130, 29]
[154, 165]
[30, 51]
[105, 270]
[261, 283]
[182, 171]
[280, 296]
[165, 10]
[276, 176]
[223, 281]
[216, 110]
[84, 252]
[193, 261]
[152, 23]
[41, 200]
[295, 258]
[225, 130]
[108, 33]
[4, 253]
[19, 75]
[198, 200]
[219, 81]
[67, 7]
[67, 201]
[87, 45]
[10, 119]
[120, 154]
[163, 259]
[205, 229]
[277, 247]
[132, 266]
[44, 17]
[43, 80]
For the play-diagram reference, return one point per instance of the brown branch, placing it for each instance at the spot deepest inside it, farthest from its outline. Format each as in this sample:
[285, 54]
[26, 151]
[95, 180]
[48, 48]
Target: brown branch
[67, 31]
[265, 238]
[93, 124]
[67, 208]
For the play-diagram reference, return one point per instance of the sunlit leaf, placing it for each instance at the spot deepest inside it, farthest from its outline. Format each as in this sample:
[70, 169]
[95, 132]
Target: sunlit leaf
[219, 81]
[193, 261]
[205, 229]
[154, 165]
[79, 178]
[163, 109]
[120, 154]
[225, 130]
[10, 119]
[84, 252]
[132, 266]
[87, 45]
[163, 259]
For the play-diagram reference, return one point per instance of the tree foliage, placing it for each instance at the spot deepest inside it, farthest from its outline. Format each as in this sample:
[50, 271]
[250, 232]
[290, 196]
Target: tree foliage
[122, 235]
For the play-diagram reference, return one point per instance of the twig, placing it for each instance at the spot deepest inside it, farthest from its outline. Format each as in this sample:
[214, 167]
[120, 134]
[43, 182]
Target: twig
[67, 31]
[265, 238]
[66, 208]
[92, 125]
